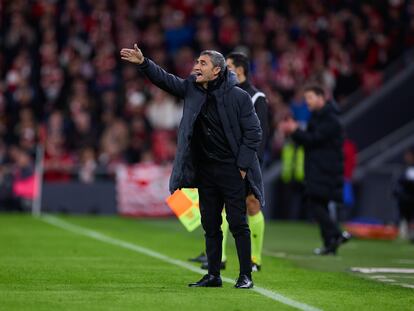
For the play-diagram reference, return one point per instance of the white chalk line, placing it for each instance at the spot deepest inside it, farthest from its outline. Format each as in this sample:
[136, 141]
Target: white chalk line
[146, 251]
[299, 257]
[369, 270]
[395, 273]
[404, 261]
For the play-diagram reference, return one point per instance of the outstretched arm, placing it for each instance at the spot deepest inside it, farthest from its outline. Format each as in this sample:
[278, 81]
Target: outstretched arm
[164, 80]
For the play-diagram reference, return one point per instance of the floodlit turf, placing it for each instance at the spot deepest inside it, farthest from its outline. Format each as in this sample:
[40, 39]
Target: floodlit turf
[43, 267]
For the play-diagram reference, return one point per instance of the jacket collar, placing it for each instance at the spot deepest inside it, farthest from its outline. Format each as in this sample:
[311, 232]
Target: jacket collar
[223, 83]
[244, 85]
[330, 107]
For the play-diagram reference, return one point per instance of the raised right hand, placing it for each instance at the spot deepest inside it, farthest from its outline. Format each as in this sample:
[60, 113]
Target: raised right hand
[132, 55]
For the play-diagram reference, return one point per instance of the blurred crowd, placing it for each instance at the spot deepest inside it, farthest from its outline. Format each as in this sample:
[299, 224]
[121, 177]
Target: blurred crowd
[63, 84]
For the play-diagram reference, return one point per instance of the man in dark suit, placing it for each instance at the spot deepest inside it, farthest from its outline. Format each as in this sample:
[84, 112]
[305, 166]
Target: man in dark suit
[218, 138]
[323, 141]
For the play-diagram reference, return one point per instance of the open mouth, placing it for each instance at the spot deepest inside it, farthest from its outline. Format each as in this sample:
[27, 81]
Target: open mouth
[198, 74]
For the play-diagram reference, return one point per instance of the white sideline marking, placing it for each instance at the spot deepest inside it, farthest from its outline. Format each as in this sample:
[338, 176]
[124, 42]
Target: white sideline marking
[382, 278]
[299, 257]
[405, 261]
[386, 280]
[403, 276]
[146, 251]
[382, 270]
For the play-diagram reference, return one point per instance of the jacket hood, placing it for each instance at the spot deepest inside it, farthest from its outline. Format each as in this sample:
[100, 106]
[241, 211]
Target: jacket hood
[231, 78]
[226, 81]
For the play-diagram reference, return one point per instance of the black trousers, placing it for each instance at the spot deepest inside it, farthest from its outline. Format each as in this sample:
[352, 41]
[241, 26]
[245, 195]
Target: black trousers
[406, 210]
[329, 227]
[220, 184]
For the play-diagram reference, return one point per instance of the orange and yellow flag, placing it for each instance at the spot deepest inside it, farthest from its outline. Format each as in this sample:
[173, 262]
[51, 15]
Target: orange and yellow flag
[184, 204]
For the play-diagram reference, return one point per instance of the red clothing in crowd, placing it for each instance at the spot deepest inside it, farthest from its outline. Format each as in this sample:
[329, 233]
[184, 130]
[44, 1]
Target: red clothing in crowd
[57, 167]
[350, 156]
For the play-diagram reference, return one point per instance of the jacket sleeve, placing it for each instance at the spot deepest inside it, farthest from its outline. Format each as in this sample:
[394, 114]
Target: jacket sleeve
[262, 113]
[321, 133]
[251, 133]
[164, 80]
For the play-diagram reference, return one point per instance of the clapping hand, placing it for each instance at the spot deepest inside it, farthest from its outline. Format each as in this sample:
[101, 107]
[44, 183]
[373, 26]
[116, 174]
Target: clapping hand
[288, 126]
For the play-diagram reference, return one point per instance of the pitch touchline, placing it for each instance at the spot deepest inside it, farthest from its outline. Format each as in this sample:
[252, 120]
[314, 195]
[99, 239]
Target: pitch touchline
[146, 251]
[283, 255]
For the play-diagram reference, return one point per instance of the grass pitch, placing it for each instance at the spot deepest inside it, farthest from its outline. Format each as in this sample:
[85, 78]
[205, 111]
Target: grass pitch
[45, 267]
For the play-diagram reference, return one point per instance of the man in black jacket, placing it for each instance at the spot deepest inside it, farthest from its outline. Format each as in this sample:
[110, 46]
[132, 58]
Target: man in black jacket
[322, 140]
[404, 193]
[218, 137]
[239, 64]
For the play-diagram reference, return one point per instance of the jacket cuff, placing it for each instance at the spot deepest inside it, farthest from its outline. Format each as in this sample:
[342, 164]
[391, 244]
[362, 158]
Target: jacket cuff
[144, 64]
[245, 158]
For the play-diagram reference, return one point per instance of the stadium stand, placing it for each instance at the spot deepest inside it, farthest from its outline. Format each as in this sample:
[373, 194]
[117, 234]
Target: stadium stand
[63, 85]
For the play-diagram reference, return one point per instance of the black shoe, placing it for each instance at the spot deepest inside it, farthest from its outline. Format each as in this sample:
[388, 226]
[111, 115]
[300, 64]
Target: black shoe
[204, 265]
[208, 280]
[343, 238]
[256, 267]
[244, 282]
[325, 250]
[332, 248]
[200, 258]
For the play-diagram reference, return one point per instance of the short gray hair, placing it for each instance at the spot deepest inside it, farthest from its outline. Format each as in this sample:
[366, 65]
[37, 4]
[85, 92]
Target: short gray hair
[217, 59]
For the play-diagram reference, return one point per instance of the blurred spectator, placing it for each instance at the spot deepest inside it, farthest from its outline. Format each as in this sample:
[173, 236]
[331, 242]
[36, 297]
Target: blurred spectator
[404, 193]
[350, 162]
[58, 163]
[56, 124]
[140, 139]
[83, 133]
[300, 111]
[19, 32]
[163, 112]
[22, 178]
[6, 180]
[26, 130]
[113, 145]
[87, 165]
[4, 117]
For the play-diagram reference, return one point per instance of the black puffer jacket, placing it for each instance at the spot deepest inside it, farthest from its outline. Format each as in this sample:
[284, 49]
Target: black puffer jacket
[237, 115]
[323, 142]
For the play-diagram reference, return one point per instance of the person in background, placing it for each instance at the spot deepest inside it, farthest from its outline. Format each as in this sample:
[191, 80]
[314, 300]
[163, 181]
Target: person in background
[58, 162]
[88, 165]
[404, 193]
[323, 141]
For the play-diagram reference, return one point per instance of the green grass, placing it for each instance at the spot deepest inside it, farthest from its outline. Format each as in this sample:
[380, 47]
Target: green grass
[43, 267]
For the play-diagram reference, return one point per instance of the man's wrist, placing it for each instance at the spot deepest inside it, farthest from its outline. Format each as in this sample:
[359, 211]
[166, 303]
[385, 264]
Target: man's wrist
[142, 63]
